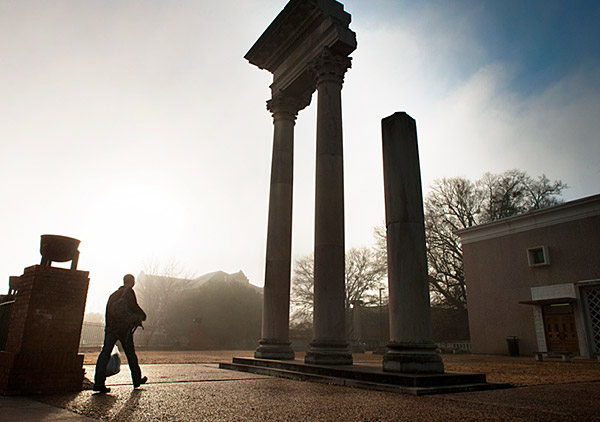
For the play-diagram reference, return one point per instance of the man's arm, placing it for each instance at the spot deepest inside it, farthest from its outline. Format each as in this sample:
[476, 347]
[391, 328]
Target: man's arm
[133, 305]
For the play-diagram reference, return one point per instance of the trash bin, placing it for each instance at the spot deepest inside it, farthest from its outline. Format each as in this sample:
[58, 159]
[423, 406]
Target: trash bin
[513, 345]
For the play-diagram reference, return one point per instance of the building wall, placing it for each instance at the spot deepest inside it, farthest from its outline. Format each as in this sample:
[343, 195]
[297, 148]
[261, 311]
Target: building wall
[499, 276]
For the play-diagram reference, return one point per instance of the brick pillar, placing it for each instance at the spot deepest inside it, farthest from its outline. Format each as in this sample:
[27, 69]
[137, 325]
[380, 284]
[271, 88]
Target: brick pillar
[41, 354]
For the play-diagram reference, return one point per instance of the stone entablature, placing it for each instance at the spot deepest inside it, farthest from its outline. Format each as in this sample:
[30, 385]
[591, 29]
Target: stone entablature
[299, 35]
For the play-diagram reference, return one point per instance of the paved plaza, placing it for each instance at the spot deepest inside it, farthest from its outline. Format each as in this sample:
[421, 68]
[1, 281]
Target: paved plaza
[202, 392]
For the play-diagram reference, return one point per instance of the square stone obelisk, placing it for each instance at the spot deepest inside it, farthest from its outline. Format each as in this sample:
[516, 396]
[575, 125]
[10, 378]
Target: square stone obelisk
[411, 349]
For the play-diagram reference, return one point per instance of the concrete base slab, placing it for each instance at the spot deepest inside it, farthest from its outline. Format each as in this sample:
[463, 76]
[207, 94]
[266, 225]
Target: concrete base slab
[365, 376]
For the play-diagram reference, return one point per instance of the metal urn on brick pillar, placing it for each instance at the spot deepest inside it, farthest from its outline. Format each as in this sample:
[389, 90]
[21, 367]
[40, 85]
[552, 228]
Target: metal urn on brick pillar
[41, 352]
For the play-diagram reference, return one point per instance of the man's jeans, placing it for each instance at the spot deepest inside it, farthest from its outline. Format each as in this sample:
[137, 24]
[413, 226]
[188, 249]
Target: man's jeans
[110, 339]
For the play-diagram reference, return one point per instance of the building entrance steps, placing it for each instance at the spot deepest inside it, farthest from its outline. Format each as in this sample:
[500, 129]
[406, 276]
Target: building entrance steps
[365, 376]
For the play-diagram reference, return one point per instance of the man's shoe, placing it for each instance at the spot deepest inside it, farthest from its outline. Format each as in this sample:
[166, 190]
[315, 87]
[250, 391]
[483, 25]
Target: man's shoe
[101, 388]
[140, 382]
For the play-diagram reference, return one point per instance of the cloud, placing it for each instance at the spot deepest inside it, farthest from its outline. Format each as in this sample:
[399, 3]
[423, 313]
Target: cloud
[553, 132]
[470, 118]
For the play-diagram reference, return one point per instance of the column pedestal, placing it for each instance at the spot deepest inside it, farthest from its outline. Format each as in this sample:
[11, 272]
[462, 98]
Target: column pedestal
[328, 353]
[412, 358]
[274, 349]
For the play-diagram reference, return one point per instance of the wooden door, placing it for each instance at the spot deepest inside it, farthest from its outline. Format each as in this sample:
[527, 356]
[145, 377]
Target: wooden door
[561, 333]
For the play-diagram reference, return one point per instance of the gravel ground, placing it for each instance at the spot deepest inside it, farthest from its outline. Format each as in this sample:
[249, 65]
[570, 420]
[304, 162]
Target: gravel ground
[188, 386]
[202, 392]
[519, 371]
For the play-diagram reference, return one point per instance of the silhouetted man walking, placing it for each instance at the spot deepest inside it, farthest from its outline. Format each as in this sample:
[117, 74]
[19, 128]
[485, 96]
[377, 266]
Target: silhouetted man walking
[123, 316]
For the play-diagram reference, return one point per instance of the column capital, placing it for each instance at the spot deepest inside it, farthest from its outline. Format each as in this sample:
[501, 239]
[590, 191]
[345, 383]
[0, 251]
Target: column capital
[330, 67]
[286, 107]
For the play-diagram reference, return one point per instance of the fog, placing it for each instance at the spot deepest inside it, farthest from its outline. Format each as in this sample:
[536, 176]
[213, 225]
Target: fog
[138, 127]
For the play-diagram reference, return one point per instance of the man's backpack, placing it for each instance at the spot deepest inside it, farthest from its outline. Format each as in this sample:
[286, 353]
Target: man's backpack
[124, 316]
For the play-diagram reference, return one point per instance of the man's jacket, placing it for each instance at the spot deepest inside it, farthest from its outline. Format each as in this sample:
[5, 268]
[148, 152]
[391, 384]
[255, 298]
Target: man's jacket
[121, 325]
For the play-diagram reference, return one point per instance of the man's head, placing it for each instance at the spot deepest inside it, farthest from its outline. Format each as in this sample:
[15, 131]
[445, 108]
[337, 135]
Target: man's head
[129, 280]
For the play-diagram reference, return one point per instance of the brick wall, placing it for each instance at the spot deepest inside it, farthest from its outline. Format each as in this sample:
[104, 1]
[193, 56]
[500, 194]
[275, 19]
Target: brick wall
[43, 339]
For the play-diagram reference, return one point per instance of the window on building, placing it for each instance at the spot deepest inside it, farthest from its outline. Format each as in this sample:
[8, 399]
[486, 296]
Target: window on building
[538, 256]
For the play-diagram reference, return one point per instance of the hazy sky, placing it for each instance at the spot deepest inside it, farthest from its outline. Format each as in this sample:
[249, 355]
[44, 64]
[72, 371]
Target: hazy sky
[139, 128]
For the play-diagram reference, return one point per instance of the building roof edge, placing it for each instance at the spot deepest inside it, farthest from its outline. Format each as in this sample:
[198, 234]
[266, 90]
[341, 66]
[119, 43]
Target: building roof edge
[569, 211]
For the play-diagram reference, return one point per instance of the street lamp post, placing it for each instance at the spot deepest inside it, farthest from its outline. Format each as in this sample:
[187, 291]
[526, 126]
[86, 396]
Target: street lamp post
[381, 346]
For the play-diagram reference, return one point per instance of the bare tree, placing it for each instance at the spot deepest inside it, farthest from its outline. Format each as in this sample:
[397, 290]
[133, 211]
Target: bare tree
[458, 203]
[515, 192]
[302, 293]
[364, 273]
[380, 248]
[158, 287]
[452, 204]
[542, 193]
[502, 194]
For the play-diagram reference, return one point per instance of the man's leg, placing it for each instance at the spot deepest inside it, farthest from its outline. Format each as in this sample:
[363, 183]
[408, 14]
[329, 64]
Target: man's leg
[103, 358]
[134, 367]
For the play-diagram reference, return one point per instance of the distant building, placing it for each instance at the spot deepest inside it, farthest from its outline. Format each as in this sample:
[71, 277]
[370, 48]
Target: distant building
[221, 276]
[214, 277]
[197, 312]
[536, 277]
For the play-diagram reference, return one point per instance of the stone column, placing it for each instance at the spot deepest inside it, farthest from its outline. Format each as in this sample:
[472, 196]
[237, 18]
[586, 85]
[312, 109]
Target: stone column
[275, 342]
[411, 349]
[329, 346]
